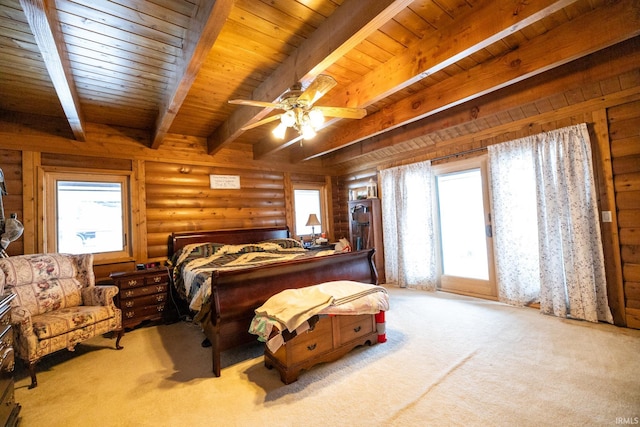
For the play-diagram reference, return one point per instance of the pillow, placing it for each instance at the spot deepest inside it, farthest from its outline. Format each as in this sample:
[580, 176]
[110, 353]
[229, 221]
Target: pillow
[343, 245]
[285, 243]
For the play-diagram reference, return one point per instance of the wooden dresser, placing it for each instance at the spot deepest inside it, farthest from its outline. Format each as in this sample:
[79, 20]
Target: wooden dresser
[143, 295]
[330, 339]
[9, 409]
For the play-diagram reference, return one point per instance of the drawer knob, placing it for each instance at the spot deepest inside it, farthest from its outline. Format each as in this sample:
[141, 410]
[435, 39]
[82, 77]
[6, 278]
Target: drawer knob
[157, 279]
[357, 329]
[132, 282]
[129, 293]
[312, 347]
[129, 304]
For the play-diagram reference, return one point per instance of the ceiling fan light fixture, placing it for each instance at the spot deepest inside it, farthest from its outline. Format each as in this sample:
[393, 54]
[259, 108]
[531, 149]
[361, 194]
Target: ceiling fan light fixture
[299, 112]
[306, 122]
[280, 131]
[316, 118]
[288, 119]
[307, 131]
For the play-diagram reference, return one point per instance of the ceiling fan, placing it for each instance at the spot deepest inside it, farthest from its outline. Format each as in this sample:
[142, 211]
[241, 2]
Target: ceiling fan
[299, 111]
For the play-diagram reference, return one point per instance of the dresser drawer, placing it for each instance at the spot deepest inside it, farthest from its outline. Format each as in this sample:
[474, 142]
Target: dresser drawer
[146, 312]
[154, 299]
[8, 408]
[6, 339]
[142, 291]
[156, 279]
[352, 327]
[7, 361]
[312, 343]
[130, 282]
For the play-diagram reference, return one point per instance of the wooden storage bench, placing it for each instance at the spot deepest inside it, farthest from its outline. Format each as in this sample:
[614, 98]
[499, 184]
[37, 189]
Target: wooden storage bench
[330, 339]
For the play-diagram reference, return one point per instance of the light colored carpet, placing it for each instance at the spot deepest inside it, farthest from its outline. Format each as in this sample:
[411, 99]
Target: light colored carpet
[449, 360]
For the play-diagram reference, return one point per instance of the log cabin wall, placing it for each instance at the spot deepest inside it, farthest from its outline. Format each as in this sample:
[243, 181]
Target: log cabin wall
[624, 131]
[170, 186]
[11, 165]
[179, 198]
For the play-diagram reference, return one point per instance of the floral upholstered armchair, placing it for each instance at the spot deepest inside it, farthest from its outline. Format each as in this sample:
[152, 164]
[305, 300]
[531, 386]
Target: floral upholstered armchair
[57, 304]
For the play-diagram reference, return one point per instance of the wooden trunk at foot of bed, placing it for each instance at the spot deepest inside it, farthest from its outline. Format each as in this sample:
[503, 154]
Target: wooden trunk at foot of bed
[236, 294]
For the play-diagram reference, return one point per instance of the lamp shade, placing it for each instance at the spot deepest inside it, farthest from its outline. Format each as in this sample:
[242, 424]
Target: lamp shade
[313, 220]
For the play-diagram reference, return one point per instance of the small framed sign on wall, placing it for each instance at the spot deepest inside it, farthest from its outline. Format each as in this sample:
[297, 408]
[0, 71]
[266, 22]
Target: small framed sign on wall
[227, 182]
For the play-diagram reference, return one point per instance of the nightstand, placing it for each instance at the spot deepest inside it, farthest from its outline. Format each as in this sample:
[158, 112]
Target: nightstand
[143, 296]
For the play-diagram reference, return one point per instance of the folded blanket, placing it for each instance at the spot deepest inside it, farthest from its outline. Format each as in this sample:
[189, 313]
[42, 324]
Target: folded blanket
[292, 307]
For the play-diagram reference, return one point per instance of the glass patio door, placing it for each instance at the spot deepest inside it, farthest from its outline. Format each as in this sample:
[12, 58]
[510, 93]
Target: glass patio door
[464, 228]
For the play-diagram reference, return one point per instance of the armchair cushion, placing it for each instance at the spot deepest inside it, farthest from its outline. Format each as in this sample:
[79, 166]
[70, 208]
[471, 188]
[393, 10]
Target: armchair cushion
[68, 319]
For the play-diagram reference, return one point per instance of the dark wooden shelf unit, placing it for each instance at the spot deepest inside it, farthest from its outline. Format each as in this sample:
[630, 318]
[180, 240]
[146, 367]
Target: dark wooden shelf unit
[365, 230]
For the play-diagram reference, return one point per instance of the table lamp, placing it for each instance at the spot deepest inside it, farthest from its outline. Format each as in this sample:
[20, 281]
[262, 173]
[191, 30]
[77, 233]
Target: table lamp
[312, 222]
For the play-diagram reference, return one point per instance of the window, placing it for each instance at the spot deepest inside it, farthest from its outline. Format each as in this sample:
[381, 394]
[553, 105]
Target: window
[309, 199]
[87, 213]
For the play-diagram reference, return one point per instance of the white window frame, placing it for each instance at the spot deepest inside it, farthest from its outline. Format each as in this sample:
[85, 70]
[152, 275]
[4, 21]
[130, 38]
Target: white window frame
[323, 217]
[49, 210]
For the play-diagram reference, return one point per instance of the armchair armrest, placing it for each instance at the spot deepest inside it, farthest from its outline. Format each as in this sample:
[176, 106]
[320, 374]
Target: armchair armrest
[21, 319]
[99, 295]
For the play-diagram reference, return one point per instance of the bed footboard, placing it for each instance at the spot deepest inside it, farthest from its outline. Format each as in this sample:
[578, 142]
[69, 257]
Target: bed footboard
[236, 294]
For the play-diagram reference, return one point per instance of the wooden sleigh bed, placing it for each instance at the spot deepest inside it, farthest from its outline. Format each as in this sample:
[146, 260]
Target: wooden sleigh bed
[235, 294]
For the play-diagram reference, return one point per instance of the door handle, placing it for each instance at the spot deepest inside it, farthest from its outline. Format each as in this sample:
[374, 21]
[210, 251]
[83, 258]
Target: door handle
[488, 231]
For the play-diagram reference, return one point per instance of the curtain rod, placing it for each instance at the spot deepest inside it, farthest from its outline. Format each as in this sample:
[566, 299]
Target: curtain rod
[462, 153]
[401, 163]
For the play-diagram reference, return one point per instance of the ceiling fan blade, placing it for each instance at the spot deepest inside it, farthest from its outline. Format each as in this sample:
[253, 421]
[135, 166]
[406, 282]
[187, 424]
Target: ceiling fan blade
[317, 89]
[261, 122]
[344, 112]
[254, 103]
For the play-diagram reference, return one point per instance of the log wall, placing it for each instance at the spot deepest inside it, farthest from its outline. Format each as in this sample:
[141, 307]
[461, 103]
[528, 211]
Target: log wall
[11, 165]
[178, 198]
[624, 131]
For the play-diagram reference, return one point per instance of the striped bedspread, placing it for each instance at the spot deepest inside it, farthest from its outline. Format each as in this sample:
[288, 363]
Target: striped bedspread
[194, 264]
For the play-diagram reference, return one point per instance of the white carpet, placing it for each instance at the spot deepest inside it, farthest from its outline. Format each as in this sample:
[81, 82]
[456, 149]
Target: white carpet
[449, 360]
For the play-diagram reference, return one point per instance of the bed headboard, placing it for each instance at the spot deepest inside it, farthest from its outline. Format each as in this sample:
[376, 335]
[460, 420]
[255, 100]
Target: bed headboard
[233, 237]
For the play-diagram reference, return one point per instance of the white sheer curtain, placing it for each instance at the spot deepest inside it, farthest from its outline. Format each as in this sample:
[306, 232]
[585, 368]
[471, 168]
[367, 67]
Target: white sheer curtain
[515, 231]
[407, 226]
[571, 280]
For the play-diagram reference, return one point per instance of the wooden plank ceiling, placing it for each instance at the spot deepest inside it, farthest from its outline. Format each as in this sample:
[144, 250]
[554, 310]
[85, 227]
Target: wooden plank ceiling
[170, 66]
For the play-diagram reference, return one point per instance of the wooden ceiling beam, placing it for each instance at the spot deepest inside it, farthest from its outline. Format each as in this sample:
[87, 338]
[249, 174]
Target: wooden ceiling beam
[476, 30]
[202, 33]
[619, 59]
[348, 26]
[531, 58]
[46, 29]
